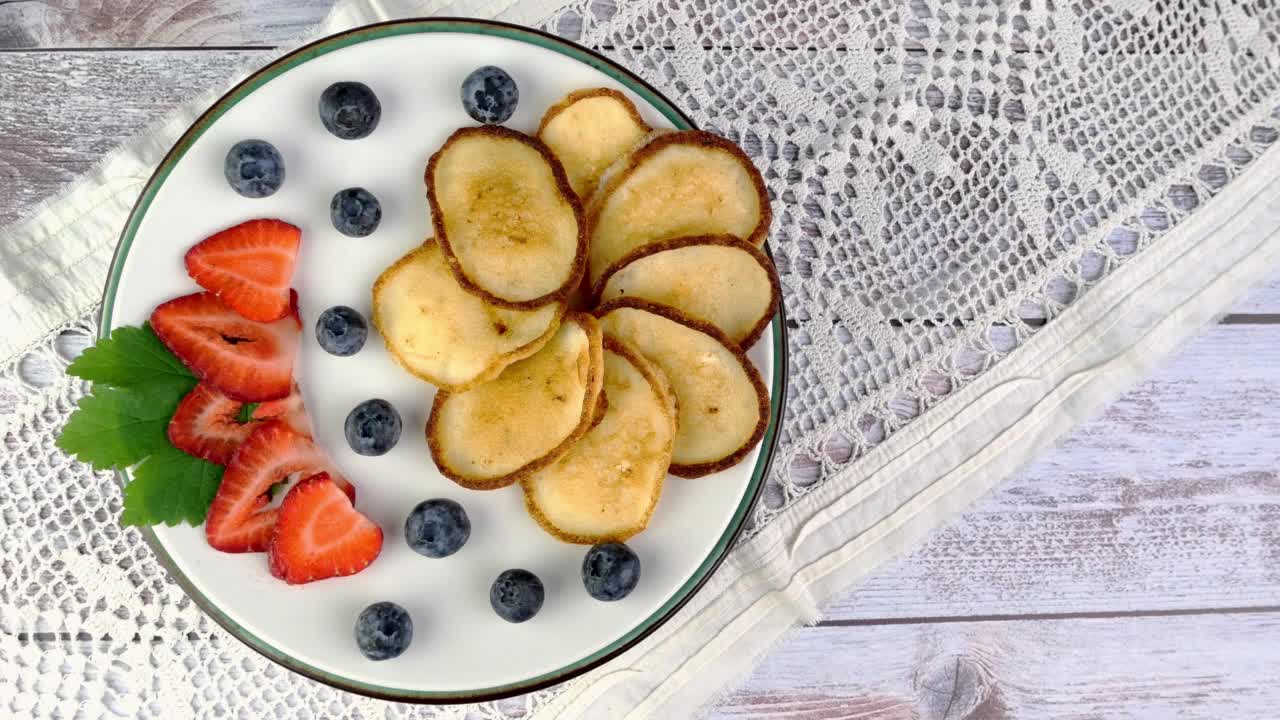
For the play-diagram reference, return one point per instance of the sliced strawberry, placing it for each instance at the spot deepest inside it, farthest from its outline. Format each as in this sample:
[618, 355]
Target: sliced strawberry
[293, 308]
[238, 519]
[289, 409]
[248, 267]
[246, 360]
[205, 425]
[319, 534]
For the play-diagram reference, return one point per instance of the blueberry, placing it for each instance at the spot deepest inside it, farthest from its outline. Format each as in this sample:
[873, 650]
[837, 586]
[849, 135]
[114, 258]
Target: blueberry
[355, 212]
[516, 595]
[349, 110]
[254, 168]
[610, 571]
[341, 331]
[373, 427]
[437, 528]
[489, 95]
[383, 631]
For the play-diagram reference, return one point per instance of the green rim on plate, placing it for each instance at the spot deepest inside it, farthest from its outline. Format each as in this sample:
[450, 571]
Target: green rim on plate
[549, 42]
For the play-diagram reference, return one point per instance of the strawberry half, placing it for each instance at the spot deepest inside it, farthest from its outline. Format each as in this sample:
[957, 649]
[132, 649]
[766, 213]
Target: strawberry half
[319, 534]
[246, 360]
[239, 519]
[248, 267]
[205, 425]
[288, 409]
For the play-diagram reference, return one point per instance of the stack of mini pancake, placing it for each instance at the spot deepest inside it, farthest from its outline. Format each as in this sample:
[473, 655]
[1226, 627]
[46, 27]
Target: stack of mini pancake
[584, 309]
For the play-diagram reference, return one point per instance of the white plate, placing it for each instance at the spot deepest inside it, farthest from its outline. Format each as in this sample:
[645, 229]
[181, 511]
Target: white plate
[461, 650]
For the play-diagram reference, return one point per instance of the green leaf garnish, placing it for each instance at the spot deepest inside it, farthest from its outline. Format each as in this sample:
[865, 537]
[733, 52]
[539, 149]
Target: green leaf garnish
[170, 487]
[137, 385]
[246, 412]
[116, 427]
[130, 357]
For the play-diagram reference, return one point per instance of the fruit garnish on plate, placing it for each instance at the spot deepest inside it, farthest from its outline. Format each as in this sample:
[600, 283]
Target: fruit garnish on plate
[383, 631]
[239, 519]
[254, 168]
[501, 431]
[288, 409]
[319, 534]
[373, 427]
[437, 528]
[208, 382]
[355, 212]
[350, 110]
[610, 571]
[137, 386]
[207, 425]
[341, 331]
[517, 595]
[248, 267]
[247, 360]
[489, 95]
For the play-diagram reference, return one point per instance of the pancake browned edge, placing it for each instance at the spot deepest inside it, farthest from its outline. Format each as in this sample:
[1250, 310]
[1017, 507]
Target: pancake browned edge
[595, 386]
[602, 407]
[577, 95]
[762, 393]
[562, 184]
[663, 138]
[499, 363]
[683, 242]
[663, 390]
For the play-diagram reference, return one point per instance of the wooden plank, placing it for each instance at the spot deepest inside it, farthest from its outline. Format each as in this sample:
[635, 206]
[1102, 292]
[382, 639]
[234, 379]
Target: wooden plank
[1170, 499]
[914, 25]
[164, 23]
[139, 23]
[1205, 666]
[1208, 666]
[60, 113]
[1261, 300]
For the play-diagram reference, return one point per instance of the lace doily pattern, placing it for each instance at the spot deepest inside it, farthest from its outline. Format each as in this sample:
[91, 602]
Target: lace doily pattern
[947, 177]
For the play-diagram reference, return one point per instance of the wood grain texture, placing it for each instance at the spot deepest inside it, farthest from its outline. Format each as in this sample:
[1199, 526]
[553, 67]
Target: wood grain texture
[1157, 668]
[61, 112]
[910, 25]
[1261, 300]
[145, 23]
[1170, 499]
[1207, 666]
[189, 23]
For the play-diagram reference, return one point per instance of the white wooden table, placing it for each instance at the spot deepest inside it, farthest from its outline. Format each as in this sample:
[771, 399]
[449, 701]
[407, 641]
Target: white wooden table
[1134, 571]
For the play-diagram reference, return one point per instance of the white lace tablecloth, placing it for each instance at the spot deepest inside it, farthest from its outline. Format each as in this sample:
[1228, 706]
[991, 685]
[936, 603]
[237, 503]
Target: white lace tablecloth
[989, 220]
